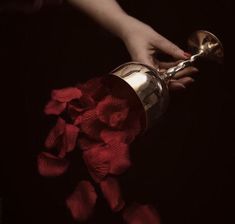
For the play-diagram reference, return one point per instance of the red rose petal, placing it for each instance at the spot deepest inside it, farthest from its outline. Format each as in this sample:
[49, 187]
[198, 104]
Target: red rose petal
[112, 136]
[55, 134]
[82, 201]
[110, 105]
[89, 115]
[120, 161]
[72, 111]
[98, 162]
[84, 103]
[66, 94]
[54, 107]
[75, 107]
[117, 118]
[69, 139]
[50, 165]
[87, 144]
[116, 140]
[78, 120]
[111, 190]
[94, 88]
[141, 214]
[90, 125]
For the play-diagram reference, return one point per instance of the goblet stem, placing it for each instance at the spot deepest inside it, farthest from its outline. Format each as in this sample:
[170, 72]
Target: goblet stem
[170, 73]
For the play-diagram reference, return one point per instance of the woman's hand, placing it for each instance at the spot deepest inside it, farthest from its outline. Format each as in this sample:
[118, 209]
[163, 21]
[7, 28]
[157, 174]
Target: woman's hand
[140, 39]
[143, 43]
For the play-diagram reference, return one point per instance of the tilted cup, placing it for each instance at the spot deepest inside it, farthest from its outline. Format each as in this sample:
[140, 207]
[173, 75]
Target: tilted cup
[147, 86]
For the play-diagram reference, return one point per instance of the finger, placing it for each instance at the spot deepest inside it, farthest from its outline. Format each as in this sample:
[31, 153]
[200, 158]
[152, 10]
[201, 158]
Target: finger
[146, 59]
[166, 65]
[185, 72]
[174, 85]
[163, 65]
[185, 81]
[169, 48]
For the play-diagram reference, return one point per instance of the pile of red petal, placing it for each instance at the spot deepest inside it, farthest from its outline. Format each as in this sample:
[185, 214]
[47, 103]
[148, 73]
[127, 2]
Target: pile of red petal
[103, 125]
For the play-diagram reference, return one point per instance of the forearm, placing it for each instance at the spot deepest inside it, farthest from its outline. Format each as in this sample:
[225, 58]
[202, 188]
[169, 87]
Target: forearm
[107, 13]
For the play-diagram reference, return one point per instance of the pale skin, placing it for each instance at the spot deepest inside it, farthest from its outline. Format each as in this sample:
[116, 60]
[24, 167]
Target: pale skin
[141, 41]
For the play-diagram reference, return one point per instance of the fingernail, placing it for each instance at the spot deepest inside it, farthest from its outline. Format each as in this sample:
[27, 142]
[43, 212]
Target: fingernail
[188, 55]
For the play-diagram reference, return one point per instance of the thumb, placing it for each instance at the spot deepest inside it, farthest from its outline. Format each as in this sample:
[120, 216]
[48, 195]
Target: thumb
[169, 48]
[146, 59]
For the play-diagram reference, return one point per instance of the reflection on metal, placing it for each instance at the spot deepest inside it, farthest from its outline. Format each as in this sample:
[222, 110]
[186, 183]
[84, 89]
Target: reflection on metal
[207, 45]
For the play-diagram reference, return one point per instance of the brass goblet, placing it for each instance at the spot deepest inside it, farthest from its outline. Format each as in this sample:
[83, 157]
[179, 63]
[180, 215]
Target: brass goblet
[150, 87]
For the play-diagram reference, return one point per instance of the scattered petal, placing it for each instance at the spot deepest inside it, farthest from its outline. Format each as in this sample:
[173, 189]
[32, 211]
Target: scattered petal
[111, 190]
[69, 139]
[91, 125]
[110, 136]
[66, 94]
[112, 111]
[89, 115]
[94, 88]
[117, 142]
[50, 165]
[119, 161]
[117, 118]
[78, 120]
[141, 214]
[72, 111]
[55, 134]
[98, 162]
[75, 107]
[87, 144]
[54, 107]
[82, 201]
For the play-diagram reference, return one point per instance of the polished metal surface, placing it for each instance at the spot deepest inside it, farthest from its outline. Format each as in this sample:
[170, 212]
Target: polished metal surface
[206, 43]
[151, 87]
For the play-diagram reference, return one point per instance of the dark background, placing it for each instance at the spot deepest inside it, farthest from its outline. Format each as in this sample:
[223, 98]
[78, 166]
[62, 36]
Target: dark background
[183, 166]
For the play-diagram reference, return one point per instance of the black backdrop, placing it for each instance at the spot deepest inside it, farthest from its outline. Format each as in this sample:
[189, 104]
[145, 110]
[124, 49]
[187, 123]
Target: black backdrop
[183, 166]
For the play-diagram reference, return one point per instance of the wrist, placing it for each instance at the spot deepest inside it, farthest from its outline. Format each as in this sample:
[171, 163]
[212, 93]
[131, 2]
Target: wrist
[119, 24]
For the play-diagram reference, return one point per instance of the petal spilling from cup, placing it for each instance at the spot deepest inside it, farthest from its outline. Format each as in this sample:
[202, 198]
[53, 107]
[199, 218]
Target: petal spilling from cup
[141, 214]
[103, 125]
[91, 125]
[69, 139]
[54, 135]
[77, 106]
[94, 88]
[120, 160]
[110, 136]
[50, 165]
[98, 162]
[54, 107]
[112, 111]
[112, 193]
[86, 144]
[66, 94]
[117, 118]
[82, 201]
